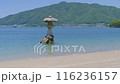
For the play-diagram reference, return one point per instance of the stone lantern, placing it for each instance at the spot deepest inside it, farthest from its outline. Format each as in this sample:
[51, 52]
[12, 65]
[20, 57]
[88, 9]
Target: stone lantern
[49, 38]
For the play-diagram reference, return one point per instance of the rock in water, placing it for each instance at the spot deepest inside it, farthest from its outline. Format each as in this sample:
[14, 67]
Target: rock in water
[49, 39]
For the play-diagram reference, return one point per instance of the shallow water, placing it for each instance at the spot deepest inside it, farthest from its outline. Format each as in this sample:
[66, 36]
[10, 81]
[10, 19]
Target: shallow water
[16, 43]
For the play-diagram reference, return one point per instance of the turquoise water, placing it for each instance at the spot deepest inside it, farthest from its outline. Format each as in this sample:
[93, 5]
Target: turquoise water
[16, 43]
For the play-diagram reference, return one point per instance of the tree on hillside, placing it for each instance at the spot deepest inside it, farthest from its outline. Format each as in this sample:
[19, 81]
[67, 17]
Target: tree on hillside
[115, 23]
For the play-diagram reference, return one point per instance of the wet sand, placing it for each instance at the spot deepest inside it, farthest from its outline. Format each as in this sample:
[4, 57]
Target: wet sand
[109, 59]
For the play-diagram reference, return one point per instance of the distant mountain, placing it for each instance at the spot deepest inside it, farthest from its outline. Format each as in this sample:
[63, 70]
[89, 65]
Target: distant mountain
[72, 13]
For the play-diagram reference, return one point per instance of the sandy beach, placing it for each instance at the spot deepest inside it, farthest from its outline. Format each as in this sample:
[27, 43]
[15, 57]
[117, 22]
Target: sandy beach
[109, 59]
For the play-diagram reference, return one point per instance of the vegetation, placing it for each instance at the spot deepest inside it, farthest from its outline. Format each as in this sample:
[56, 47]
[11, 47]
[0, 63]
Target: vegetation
[67, 13]
[115, 23]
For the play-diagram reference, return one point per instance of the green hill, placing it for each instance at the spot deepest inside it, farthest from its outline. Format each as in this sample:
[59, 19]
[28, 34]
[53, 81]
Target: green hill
[67, 13]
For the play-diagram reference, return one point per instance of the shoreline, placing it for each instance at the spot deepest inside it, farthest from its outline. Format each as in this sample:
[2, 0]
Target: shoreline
[44, 56]
[107, 59]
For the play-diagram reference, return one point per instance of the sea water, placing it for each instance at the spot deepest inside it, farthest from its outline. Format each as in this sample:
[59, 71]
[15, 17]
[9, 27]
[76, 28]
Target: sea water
[17, 43]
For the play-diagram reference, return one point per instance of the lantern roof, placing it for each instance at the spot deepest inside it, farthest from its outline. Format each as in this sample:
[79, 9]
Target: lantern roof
[50, 19]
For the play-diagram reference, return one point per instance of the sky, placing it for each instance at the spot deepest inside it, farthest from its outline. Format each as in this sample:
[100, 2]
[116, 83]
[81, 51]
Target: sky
[8, 7]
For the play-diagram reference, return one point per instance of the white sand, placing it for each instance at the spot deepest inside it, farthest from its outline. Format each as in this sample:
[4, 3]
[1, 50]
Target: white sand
[92, 60]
